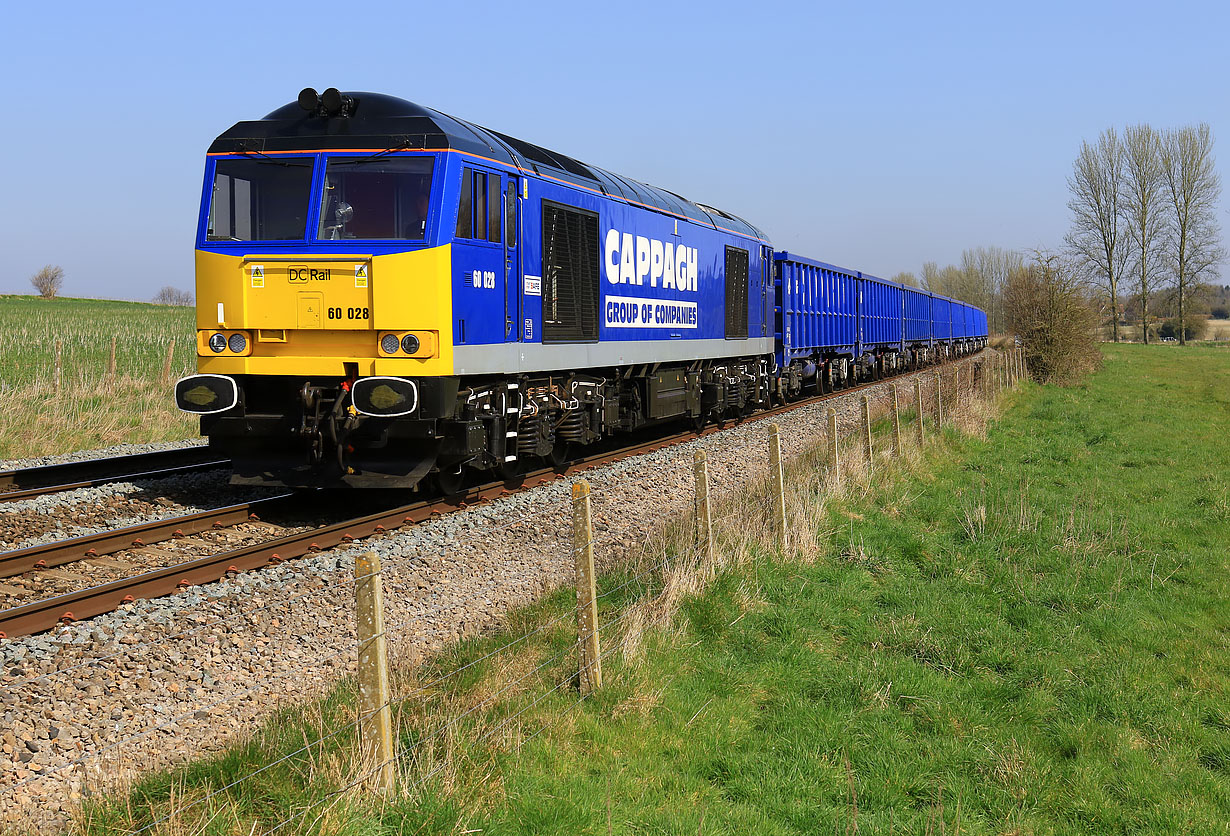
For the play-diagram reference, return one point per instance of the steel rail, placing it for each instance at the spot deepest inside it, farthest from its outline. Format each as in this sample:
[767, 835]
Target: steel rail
[53, 478]
[60, 552]
[43, 615]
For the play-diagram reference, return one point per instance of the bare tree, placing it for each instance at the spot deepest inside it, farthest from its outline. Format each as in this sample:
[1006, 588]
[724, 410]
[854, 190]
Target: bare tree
[986, 272]
[172, 296]
[907, 279]
[48, 281]
[953, 282]
[1193, 188]
[1144, 208]
[1096, 238]
[979, 280]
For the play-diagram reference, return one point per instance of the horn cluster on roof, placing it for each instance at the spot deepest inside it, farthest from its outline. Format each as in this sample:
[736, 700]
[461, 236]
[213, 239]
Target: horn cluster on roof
[329, 103]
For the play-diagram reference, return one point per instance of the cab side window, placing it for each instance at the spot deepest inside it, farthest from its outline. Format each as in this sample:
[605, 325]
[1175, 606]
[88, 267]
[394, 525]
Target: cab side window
[465, 208]
[511, 213]
[479, 207]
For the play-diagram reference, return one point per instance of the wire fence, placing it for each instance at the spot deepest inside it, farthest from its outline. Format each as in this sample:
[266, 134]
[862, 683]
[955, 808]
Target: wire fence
[662, 568]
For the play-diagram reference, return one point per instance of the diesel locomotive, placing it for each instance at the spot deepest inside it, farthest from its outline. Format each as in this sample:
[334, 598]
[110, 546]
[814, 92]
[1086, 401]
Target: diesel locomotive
[387, 294]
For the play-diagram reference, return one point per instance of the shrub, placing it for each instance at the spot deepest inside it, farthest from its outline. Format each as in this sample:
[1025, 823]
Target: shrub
[48, 281]
[1046, 306]
[1193, 329]
[1221, 313]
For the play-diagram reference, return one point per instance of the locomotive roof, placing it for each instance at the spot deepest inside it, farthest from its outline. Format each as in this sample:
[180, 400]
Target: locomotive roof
[379, 121]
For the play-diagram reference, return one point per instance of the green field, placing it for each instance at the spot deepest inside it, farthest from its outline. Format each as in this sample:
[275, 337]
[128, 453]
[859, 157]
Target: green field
[1023, 633]
[89, 409]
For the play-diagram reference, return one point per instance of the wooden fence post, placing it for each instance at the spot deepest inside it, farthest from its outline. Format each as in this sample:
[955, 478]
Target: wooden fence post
[896, 423]
[111, 361]
[777, 484]
[587, 597]
[834, 462]
[939, 402]
[376, 726]
[704, 519]
[956, 388]
[868, 448]
[166, 366]
[918, 406]
[56, 374]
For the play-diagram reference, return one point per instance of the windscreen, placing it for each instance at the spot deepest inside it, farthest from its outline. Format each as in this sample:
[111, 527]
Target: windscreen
[376, 198]
[260, 200]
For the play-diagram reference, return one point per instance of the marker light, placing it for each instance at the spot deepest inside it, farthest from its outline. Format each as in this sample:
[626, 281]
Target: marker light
[388, 343]
[237, 343]
[217, 343]
[409, 344]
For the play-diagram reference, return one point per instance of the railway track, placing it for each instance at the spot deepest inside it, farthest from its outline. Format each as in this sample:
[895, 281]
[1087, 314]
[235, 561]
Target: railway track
[54, 478]
[43, 615]
[86, 547]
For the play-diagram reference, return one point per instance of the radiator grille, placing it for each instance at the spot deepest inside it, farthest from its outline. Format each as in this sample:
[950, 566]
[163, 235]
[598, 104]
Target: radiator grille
[569, 275]
[736, 293]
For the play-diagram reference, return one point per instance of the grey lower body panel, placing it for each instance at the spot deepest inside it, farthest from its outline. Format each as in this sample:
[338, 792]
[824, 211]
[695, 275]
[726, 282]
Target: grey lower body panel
[536, 357]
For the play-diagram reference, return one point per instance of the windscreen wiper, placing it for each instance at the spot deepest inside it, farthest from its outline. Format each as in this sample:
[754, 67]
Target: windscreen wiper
[265, 159]
[404, 144]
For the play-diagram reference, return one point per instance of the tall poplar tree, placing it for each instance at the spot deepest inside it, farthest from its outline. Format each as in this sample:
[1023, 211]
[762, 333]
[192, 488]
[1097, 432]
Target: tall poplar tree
[1192, 189]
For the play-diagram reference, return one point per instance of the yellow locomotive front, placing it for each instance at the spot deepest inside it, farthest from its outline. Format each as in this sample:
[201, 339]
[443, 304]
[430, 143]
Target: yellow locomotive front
[323, 301]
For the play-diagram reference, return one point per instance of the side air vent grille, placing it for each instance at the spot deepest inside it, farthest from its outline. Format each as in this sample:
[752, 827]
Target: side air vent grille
[569, 274]
[736, 293]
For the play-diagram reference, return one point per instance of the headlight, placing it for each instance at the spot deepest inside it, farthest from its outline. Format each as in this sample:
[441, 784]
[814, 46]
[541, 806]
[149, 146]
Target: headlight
[388, 343]
[237, 343]
[385, 397]
[217, 343]
[409, 344]
[205, 394]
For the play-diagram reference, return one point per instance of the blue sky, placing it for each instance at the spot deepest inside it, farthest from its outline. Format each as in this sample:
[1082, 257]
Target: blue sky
[876, 135]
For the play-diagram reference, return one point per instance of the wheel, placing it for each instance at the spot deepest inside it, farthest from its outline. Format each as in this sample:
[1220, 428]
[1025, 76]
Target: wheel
[559, 453]
[511, 471]
[450, 483]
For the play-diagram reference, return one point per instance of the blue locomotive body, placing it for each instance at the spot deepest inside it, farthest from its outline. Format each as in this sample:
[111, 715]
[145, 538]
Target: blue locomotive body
[654, 287]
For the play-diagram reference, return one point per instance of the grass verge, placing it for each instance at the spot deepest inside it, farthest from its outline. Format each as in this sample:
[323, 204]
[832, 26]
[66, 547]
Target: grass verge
[1021, 630]
[91, 408]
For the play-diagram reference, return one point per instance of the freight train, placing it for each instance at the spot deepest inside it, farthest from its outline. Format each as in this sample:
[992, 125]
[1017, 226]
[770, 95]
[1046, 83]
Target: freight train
[387, 295]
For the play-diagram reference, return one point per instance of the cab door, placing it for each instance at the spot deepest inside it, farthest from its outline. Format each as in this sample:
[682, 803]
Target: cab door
[512, 260]
[766, 284]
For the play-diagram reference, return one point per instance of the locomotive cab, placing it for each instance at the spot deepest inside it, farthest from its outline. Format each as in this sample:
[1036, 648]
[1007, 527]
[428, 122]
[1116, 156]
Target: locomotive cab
[318, 269]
